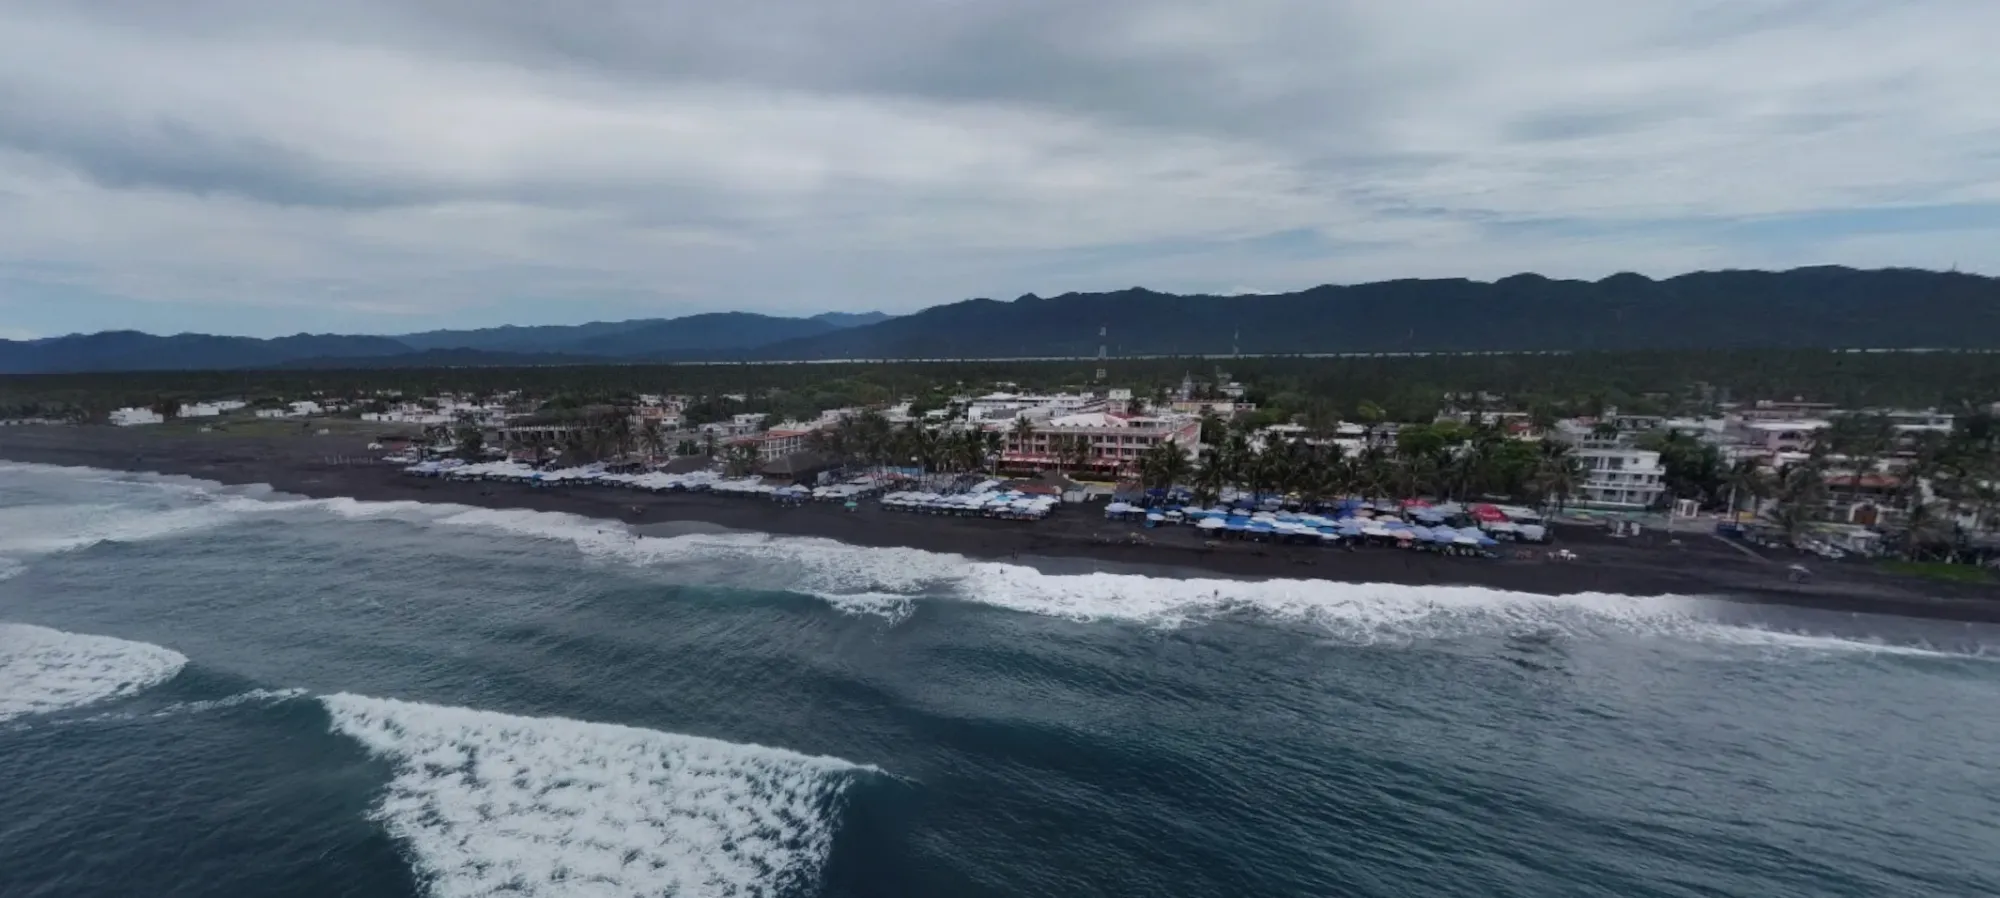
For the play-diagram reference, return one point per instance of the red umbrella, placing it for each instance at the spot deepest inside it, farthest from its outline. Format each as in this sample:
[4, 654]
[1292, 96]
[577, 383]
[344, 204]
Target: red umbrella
[1488, 513]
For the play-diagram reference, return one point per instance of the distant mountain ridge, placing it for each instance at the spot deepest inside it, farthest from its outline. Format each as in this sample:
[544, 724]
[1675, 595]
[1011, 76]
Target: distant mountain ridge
[1823, 307]
[709, 335]
[135, 351]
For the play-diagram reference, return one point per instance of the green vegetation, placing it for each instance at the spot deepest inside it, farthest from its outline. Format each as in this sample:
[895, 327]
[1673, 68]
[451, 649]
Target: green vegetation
[1364, 389]
[1443, 460]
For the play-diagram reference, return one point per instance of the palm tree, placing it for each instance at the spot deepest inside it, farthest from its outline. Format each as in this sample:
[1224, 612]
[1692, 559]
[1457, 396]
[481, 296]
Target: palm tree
[1163, 465]
[618, 431]
[1210, 476]
[1024, 434]
[575, 444]
[993, 442]
[970, 448]
[652, 438]
[1371, 416]
[1863, 439]
[1746, 478]
[470, 443]
[1801, 498]
[1375, 473]
[1078, 451]
[741, 460]
[1468, 470]
[708, 444]
[1557, 475]
[1335, 479]
[1928, 524]
[1213, 430]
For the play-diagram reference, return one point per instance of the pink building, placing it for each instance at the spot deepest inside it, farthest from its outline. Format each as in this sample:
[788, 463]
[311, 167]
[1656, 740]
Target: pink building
[1116, 440]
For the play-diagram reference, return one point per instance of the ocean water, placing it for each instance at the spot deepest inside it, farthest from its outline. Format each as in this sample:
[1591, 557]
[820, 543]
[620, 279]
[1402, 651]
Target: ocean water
[222, 691]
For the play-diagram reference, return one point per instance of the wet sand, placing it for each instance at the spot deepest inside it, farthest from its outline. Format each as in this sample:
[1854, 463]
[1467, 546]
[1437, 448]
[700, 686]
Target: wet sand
[1071, 540]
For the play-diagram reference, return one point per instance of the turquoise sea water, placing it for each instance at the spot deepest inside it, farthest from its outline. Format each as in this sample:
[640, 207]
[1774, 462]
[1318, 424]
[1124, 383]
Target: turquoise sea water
[219, 691]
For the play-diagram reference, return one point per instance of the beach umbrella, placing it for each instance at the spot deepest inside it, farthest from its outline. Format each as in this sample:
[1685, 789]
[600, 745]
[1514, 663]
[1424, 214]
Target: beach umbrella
[1465, 541]
[1211, 524]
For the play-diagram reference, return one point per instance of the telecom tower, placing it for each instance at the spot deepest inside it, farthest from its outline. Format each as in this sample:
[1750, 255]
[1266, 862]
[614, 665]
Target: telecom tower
[1102, 330]
[1236, 344]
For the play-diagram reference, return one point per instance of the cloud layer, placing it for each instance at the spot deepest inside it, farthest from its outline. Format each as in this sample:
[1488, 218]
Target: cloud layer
[373, 165]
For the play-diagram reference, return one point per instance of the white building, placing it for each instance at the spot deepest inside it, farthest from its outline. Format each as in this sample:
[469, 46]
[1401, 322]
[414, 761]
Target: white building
[208, 409]
[304, 408]
[1002, 406]
[1908, 421]
[1620, 477]
[133, 417]
[1794, 435]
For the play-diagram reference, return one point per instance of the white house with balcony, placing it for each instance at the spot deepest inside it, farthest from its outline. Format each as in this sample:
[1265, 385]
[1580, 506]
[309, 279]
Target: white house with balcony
[1619, 477]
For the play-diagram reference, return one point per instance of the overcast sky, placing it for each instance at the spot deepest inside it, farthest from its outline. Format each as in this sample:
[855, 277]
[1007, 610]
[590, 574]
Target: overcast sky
[260, 167]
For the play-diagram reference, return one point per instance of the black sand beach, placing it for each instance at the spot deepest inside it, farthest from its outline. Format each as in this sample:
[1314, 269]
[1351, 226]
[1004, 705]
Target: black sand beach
[1072, 539]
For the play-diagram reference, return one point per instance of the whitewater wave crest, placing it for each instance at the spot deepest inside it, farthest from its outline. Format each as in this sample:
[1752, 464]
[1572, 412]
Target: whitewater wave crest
[47, 529]
[493, 803]
[44, 670]
[890, 583]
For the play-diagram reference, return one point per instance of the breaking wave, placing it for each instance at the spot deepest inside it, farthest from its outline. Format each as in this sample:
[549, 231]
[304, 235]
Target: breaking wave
[44, 670]
[492, 803]
[892, 583]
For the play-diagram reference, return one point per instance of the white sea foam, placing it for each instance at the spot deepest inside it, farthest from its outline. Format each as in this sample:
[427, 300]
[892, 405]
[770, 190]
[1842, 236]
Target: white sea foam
[44, 670]
[889, 582]
[492, 803]
[889, 606]
[254, 696]
[47, 529]
[10, 568]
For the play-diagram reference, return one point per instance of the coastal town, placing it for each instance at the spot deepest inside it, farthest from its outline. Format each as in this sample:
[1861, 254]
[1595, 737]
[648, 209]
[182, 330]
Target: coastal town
[1917, 485]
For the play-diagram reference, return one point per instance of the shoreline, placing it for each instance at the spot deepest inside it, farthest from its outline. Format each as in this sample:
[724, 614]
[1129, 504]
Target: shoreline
[1073, 539]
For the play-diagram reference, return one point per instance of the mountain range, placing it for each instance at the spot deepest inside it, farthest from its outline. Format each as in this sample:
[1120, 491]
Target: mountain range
[1826, 307]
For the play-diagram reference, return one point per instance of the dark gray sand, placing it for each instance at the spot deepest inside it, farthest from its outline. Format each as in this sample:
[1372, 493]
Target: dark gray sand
[1074, 539]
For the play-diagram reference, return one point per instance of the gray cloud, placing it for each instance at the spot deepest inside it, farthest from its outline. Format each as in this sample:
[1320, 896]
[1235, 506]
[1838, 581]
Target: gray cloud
[791, 155]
